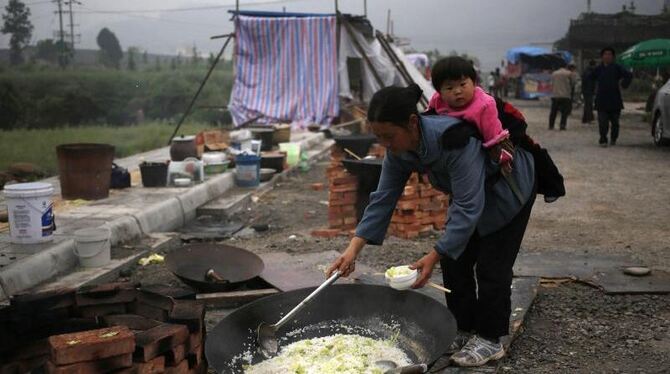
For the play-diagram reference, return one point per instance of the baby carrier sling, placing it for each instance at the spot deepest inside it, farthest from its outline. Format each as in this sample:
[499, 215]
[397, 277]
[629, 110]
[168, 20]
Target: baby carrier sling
[548, 178]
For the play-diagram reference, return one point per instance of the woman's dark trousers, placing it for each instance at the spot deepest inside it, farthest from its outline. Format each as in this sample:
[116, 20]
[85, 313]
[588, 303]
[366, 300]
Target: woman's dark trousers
[480, 279]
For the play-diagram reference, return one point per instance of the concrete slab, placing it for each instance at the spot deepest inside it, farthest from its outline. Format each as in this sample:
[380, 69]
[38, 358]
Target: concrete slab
[614, 281]
[561, 265]
[603, 271]
[288, 272]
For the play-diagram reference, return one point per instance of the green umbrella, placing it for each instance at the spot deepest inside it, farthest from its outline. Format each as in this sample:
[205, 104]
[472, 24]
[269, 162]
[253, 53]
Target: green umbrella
[649, 53]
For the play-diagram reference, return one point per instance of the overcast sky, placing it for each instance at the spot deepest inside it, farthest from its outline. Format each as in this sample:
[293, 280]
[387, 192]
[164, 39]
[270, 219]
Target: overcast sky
[484, 28]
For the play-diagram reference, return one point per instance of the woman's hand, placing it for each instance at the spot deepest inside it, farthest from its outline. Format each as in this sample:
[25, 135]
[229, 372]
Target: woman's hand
[346, 263]
[425, 267]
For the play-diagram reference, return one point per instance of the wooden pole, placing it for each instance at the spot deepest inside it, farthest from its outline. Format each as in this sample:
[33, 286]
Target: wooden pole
[202, 84]
[365, 8]
[360, 49]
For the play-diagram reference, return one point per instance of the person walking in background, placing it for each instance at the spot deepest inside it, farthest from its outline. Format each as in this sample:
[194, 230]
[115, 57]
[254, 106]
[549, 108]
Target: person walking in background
[562, 83]
[588, 89]
[609, 77]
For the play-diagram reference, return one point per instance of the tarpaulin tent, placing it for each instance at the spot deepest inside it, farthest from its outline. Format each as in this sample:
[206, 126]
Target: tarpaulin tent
[531, 66]
[289, 67]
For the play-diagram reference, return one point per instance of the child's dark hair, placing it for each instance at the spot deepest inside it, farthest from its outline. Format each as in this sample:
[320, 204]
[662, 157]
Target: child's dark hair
[610, 49]
[450, 69]
[394, 104]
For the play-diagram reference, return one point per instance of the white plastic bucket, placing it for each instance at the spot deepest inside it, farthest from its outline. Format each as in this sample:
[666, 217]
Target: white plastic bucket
[93, 246]
[30, 210]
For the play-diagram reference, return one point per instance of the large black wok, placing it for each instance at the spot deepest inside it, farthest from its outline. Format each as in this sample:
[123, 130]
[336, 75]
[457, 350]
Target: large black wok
[236, 266]
[426, 326]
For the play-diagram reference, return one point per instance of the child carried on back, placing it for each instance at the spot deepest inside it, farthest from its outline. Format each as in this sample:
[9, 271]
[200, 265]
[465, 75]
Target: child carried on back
[454, 79]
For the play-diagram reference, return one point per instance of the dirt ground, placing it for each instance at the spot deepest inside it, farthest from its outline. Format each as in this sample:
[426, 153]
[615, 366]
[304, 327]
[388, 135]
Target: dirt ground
[618, 201]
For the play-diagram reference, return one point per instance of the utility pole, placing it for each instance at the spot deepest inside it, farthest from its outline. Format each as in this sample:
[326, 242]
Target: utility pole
[72, 34]
[588, 6]
[61, 35]
[365, 8]
[388, 22]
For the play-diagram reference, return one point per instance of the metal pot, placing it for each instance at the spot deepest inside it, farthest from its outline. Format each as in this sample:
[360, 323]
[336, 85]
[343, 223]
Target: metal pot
[424, 326]
[236, 266]
[183, 147]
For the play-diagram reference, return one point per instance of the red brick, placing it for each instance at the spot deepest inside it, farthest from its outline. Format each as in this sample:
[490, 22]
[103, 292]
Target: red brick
[325, 233]
[181, 368]
[32, 302]
[335, 214]
[398, 218]
[156, 300]
[407, 204]
[200, 369]
[344, 180]
[37, 348]
[94, 311]
[149, 311]
[154, 366]
[332, 196]
[350, 196]
[132, 321]
[91, 345]
[344, 188]
[109, 293]
[194, 359]
[188, 312]
[104, 365]
[350, 221]
[24, 366]
[175, 355]
[427, 220]
[409, 191]
[348, 208]
[336, 222]
[158, 340]
[195, 341]
[317, 186]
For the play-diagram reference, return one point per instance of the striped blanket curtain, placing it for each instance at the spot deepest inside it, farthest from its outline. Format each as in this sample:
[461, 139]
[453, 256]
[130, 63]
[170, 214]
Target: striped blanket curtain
[286, 70]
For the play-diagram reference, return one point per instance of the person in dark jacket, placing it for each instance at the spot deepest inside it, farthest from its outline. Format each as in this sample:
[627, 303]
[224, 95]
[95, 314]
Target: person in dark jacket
[588, 90]
[486, 221]
[609, 76]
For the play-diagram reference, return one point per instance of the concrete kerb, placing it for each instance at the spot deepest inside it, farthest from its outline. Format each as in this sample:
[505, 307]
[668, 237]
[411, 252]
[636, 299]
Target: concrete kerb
[38, 268]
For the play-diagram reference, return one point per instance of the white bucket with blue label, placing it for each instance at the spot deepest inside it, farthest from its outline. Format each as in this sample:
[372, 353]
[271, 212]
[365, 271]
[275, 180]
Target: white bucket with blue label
[30, 210]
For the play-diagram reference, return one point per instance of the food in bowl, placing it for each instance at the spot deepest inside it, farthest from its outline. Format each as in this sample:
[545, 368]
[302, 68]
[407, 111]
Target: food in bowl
[337, 353]
[401, 277]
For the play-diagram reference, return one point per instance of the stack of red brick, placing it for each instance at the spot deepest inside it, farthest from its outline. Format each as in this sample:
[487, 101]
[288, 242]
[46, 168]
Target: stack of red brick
[108, 328]
[421, 208]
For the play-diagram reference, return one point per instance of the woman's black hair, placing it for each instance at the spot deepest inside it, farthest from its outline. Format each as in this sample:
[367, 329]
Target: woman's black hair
[602, 51]
[394, 104]
[450, 69]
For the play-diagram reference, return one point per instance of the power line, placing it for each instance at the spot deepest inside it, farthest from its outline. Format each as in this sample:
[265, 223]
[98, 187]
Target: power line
[91, 11]
[190, 9]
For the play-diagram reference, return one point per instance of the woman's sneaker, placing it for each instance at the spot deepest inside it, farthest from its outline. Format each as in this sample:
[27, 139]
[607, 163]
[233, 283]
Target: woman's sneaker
[462, 337]
[477, 352]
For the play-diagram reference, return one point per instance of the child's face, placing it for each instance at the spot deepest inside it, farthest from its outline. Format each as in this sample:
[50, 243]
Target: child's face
[458, 93]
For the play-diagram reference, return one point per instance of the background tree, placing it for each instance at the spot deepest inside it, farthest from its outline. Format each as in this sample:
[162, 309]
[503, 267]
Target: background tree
[195, 59]
[47, 50]
[158, 63]
[17, 23]
[145, 58]
[132, 52]
[110, 49]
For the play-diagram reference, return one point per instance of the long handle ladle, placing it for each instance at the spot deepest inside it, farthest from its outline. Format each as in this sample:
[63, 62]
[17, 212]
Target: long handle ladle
[265, 334]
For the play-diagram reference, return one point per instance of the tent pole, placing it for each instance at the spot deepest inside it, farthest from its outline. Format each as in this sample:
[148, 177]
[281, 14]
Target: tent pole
[398, 64]
[202, 84]
[362, 52]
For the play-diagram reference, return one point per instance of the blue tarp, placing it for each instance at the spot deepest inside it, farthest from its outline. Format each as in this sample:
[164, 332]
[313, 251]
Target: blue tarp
[514, 54]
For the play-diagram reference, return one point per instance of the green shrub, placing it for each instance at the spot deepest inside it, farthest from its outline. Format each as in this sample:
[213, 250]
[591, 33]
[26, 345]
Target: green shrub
[36, 97]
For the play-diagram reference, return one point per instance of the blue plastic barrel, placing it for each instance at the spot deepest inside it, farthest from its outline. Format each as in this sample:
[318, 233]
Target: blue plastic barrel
[247, 170]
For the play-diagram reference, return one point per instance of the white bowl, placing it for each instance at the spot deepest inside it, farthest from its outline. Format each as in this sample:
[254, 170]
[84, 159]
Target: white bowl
[401, 282]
